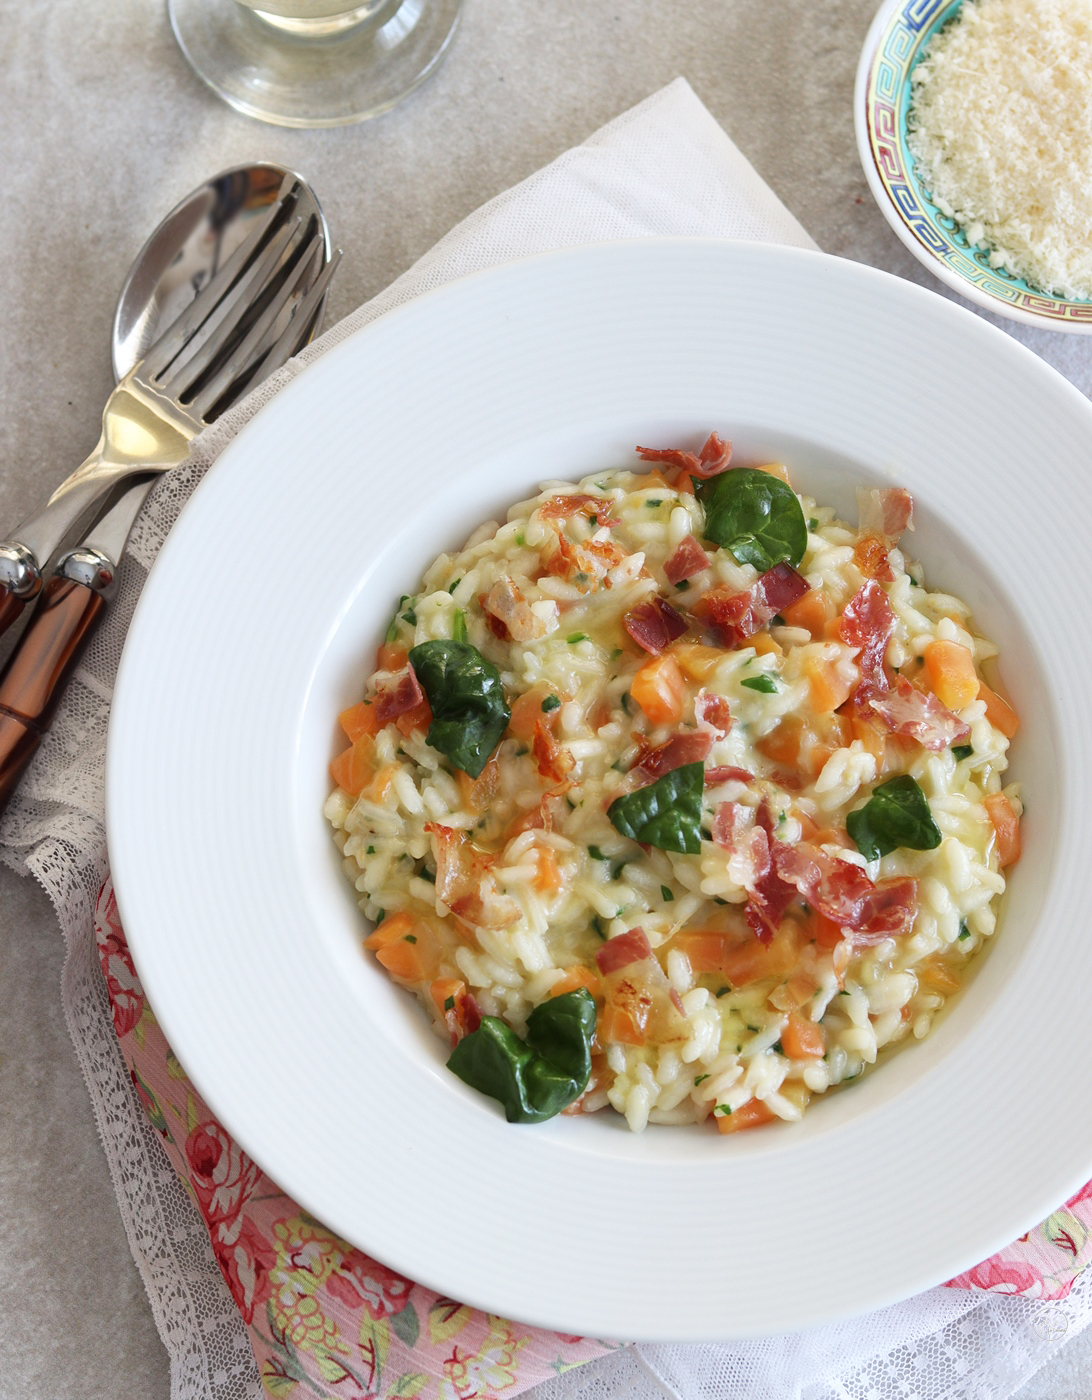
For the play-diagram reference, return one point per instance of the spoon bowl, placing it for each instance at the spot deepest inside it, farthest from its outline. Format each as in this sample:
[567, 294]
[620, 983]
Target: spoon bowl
[188, 247]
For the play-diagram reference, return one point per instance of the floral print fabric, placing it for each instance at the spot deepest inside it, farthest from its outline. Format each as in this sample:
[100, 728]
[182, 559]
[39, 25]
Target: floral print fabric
[325, 1319]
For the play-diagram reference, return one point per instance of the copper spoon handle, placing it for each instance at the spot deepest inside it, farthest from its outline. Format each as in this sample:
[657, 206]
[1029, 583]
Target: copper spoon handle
[34, 681]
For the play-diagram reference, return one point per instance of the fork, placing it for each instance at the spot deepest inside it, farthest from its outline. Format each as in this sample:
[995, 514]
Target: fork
[205, 357]
[213, 372]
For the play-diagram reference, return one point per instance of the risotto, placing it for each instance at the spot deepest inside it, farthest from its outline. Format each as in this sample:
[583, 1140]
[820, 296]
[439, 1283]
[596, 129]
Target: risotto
[676, 795]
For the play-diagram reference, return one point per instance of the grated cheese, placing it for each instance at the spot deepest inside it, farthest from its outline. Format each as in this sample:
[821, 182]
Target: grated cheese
[1001, 125]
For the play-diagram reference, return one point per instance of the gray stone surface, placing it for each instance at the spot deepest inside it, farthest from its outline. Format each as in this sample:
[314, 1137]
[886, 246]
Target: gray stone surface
[103, 128]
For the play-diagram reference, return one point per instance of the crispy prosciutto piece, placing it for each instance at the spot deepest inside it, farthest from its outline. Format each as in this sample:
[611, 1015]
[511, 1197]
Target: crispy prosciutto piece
[594, 507]
[887, 512]
[619, 952]
[554, 762]
[867, 622]
[843, 893]
[654, 624]
[737, 616]
[727, 774]
[689, 559]
[465, 880]
[713, 711]
[691, 746]
[736, 831]
[585, 565]
[713, 458]
[915, 713]
[505, 603]
[400, 694]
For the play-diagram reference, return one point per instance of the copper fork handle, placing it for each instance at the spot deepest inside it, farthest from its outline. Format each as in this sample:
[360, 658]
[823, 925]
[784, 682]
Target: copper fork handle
[37, 672]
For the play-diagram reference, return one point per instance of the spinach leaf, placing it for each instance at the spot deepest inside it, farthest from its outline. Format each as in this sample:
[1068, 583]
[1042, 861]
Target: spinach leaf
[536, 1078]
[754, 515]
[469, 711]
[897, 814]
[666, 813]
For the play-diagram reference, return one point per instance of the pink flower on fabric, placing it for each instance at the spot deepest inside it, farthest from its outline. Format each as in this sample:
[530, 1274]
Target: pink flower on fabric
[223, 1176]
[358, 1279]
[245, 1259]
[122, 982]
[998, 1275]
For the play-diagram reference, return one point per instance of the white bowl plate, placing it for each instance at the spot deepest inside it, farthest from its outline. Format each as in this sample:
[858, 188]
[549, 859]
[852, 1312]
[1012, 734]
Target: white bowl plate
[259, 623]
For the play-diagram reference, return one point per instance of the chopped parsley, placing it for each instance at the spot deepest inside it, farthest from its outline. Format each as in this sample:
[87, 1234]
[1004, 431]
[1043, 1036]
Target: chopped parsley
[700, 1079]
[682, 584]
[964, 931]
[370, 851]
[668, 896]
[449, 1004]
[596, 853]
[961, 751]
[452, 586]
[380, 917]
[575, 637]
[550, 703]
[813, 524]
[766, 684]
[410, 938]
[655, 501]
[723, 1110]
[776, 1048]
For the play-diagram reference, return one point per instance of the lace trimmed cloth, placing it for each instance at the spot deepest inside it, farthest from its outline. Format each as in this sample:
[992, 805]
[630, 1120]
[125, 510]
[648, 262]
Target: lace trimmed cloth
[252, 1296]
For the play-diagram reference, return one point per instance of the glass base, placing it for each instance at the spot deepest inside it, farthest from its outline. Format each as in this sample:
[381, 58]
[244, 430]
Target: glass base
[326, 78]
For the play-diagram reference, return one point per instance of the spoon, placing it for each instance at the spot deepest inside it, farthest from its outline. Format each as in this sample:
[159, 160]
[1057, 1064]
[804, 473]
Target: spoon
[184, 252]
[177, 262]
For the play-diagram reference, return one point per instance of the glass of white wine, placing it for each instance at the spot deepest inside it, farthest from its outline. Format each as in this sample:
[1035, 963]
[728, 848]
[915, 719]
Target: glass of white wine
[313, 62]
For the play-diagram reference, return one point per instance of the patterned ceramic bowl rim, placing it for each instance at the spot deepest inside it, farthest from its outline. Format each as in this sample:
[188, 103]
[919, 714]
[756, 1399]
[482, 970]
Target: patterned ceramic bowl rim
[894, 44]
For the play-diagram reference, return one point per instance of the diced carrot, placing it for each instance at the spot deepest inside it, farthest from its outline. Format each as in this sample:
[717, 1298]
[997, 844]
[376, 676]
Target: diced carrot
[574, 979]
[617, 1026]
[393, 928]
[802, 1039]
[998, 711]
[937, 975]
[829, 685]
[778, 469]
[705, 952]
[392, 656]
[950, 668]
[1006, 825]
[828, 934]
[765, 645]
[653, 477]
[697, 661]
[746, 963]
[793, 993]
[547, 878]
[660, 690]
[871, 736]
[404, 960]
[782, 744]
[418, 719]
[354, 768]
[359, 719]
[812, 612]
[684, 484]
[446, 989]
[751, 1115]
[808, 826]
[381, 783]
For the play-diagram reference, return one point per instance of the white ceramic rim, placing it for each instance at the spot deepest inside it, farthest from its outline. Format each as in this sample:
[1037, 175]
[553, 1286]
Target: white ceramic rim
[937, 266]
[230, 679]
